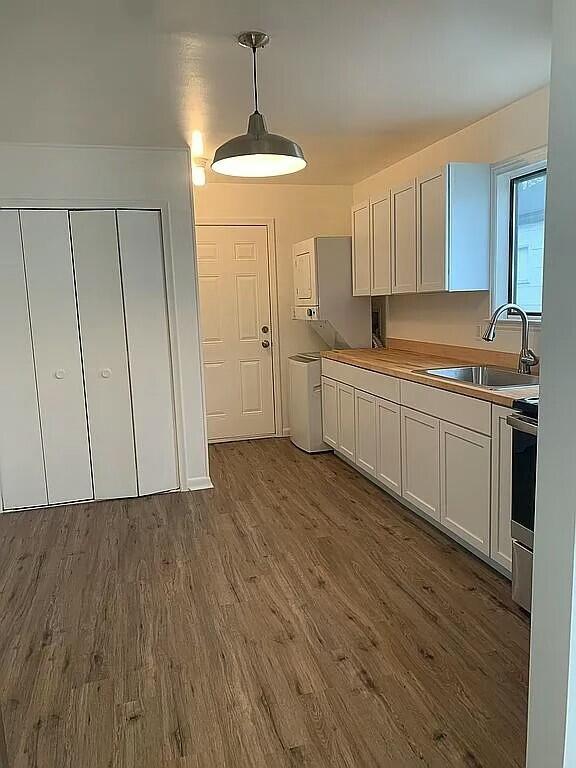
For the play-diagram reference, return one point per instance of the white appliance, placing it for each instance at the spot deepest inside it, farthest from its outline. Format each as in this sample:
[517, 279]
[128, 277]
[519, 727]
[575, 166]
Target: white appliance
[306, 403]
[323, 292]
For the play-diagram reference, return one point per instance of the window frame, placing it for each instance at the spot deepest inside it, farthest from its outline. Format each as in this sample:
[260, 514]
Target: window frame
[512, 244]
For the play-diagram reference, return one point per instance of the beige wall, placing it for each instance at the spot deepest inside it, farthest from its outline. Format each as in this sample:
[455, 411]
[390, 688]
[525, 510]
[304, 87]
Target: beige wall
[299, 212]
[456, 318]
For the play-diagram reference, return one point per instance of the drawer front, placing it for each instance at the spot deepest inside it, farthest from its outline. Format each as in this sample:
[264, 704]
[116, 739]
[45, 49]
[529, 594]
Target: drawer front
[377, 384]
[448, 406]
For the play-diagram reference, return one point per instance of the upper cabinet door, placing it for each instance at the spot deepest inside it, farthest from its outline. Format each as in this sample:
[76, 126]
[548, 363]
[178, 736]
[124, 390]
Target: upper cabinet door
[361, 250]
[21, 458]
[142, 259]
[53, 314]
[381, 264]
[432, 218]
[403, 200]
[304, 269]
[101, 313]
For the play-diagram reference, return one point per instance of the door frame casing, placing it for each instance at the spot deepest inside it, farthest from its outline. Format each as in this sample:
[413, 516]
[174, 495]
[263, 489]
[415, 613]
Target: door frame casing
[270, 225]
[163, 207]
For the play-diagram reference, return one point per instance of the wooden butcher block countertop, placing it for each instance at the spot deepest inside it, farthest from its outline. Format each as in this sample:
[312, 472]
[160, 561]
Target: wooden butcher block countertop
[403, 363]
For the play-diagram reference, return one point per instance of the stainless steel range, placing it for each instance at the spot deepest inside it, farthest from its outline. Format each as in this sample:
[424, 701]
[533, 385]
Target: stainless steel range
[524, 453]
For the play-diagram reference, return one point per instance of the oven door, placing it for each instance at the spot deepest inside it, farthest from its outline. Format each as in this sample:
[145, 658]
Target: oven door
[524, 442]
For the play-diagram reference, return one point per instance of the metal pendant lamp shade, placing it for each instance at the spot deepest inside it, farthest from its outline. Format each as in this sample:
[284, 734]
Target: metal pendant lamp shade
[257, 153]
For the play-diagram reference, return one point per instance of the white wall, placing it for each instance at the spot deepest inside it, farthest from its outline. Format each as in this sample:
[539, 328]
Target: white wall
[89, 175]
[455, 318]
[299, 212]
[552, 700]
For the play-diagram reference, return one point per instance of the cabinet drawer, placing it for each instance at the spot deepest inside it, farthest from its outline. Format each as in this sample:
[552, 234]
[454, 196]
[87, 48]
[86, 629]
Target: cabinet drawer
[458, 409]
[377, 384]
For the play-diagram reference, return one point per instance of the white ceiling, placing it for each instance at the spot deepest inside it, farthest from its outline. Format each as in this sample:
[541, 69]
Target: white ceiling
[359, 83]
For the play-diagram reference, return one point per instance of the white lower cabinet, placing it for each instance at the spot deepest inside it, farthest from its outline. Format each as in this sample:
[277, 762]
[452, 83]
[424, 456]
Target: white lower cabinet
[465, 484]
[366, 432]
[501, 509]
[388, 459]
[346, 421]
[330, 411]
[421, 461]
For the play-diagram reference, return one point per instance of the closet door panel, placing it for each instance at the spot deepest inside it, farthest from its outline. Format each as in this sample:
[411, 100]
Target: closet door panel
[140, 238]
[103, 333]
[52, 298]
[21, 458]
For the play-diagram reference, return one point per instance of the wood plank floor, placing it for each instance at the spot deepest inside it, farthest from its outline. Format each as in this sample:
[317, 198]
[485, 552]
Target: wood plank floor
[293, 616]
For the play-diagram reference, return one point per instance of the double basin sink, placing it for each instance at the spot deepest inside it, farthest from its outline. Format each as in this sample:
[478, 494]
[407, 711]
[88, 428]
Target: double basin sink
[486, 376]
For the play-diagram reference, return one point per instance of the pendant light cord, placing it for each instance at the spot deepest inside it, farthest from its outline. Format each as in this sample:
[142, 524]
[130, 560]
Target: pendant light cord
[255, 78]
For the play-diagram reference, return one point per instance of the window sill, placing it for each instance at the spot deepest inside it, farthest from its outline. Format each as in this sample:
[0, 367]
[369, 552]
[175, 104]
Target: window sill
[514, 324]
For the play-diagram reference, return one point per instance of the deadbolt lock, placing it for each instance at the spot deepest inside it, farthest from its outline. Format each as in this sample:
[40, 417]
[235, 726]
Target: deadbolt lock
[265, 329]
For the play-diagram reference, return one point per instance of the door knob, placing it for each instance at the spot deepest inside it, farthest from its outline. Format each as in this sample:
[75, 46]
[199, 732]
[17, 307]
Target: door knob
[105, 373]
[265, 343]
[60, 373]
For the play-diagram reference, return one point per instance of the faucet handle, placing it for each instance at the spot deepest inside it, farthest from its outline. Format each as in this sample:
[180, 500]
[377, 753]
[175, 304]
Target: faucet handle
[528, 359]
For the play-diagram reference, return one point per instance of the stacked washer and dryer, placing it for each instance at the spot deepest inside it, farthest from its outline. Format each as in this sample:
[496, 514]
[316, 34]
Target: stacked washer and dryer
[322, 268]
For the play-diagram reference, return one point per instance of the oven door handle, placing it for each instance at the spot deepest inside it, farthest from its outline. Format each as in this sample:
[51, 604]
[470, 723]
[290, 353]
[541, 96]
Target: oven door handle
[522, 424]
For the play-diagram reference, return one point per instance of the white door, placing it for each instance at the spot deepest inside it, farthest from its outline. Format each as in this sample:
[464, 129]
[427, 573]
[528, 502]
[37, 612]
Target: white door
[330, 411]
[142, 263]
[346, 421]
[236, 331]
[104, 353]
[381, 264]
[21, 455]
[52, 297]
[420, 461]
[388, 463]
[465, 484]
[304, 270]
[432, 227]
[361, 250]
[365, 429]
[403, 202]
[501, 509]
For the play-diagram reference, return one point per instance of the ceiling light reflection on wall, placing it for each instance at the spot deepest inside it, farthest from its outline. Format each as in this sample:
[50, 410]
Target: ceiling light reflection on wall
[257, 153]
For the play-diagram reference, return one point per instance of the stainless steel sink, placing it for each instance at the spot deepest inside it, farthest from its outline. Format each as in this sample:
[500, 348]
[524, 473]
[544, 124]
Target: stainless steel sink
[486, 376]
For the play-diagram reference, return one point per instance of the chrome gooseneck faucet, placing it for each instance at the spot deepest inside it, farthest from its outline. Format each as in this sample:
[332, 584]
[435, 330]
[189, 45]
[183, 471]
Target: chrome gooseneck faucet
[527, 357]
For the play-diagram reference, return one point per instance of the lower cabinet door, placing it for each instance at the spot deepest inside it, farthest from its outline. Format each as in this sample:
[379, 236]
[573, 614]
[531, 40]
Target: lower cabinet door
[501, 508]
[420, 461]
[388, 461]
[465, 484]
[330, 411]
[366, 431]
[346, 422]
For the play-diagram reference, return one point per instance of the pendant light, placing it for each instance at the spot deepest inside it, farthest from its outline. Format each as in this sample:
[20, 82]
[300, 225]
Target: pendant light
[257, 153]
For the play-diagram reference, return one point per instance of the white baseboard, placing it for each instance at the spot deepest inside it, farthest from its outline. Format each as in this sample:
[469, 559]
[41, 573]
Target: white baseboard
[199, 483]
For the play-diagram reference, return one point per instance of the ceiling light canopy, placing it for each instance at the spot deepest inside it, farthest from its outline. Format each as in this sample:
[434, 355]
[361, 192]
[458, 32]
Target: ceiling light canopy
[257, 153]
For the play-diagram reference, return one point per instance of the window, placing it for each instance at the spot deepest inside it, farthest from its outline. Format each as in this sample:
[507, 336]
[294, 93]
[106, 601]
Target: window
[519, 203]
[526, 241]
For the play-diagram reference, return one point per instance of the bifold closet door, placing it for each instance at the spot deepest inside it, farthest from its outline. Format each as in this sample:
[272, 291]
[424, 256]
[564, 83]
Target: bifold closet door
[142, 260]
[56, 342]
[103, 333]
[21, 458]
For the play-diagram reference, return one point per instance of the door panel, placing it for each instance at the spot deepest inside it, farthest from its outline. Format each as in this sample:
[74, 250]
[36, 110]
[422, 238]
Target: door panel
[381, 264]
[420, 461]
[388, 465]
[361, 250]
[346, 422]
[142, 270]
[21, 456]
[432, 225]
[330, 412]
[404, 239]
[103, 331]
[365, 428]
[465, 484]
[235, 308]
[53, 313]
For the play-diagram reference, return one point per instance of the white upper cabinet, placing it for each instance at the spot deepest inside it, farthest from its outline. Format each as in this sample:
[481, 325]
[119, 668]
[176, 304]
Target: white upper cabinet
[381, 278]
[361, 258]
[453, 228]
[403, 212]
[304, 264]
